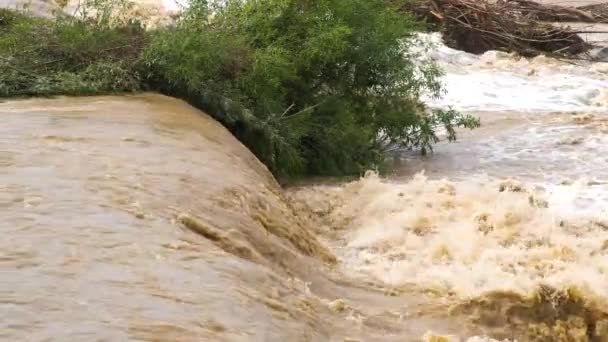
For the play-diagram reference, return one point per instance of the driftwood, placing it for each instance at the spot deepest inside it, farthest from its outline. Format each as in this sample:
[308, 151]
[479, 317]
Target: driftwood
[599, 12]
[534, 11]
[478, 26]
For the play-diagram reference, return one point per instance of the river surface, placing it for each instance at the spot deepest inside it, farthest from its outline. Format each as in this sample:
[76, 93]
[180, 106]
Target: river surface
[141, 219]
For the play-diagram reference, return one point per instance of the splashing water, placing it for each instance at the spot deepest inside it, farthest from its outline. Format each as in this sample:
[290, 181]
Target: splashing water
[498, 81]
[468, 237]
[511, 221]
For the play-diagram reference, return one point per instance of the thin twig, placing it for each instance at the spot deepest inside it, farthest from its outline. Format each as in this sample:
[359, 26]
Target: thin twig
[303, 111]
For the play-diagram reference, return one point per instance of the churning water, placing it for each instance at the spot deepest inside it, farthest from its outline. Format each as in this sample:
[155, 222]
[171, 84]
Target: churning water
[510, 224]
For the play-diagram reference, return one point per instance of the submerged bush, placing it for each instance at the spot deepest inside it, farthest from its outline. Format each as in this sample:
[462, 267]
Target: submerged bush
[310, 86]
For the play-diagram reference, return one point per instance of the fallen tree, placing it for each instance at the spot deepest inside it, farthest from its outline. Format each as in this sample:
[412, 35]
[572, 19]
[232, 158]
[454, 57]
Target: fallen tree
[478, 26]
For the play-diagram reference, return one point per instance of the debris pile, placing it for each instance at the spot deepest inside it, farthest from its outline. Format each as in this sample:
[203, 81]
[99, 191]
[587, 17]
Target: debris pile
[521, 26]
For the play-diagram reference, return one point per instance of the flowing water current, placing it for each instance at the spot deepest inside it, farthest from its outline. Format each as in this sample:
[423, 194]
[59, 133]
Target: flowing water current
[140, 218]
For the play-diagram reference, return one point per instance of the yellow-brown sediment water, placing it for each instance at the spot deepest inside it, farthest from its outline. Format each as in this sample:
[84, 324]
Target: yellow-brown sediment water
[494, 251]
[140, 218]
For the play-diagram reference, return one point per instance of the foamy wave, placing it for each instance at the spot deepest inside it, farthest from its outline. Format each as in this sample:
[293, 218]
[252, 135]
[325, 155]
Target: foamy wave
[467, 238]
[497, 81]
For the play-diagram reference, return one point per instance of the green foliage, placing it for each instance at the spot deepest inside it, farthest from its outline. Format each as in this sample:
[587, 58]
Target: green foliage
[67, 56]
[310, 86]
[424, 134]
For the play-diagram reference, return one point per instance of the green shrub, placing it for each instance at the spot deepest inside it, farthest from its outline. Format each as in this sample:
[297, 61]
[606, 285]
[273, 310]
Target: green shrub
[67, 56]
[310, 86]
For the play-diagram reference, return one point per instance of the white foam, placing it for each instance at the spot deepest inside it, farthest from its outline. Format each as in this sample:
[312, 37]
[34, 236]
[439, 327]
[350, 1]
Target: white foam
[469, 237]
[497, 81]
[174, 6]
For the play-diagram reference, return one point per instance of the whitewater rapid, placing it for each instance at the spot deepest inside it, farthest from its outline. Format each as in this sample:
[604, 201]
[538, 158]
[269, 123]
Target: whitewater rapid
[499, 81]
[510, 210]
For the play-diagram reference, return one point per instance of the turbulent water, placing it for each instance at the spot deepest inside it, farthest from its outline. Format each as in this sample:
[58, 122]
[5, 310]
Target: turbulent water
[510, 224]
[140, 218]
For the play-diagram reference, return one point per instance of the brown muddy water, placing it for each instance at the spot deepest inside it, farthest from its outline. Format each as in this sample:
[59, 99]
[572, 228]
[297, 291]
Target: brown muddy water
[141, 219]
